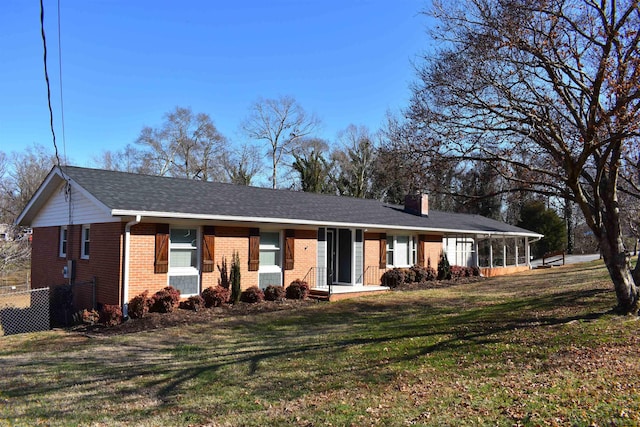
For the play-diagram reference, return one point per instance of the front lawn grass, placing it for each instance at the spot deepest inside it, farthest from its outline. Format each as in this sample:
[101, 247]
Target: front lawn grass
[538, 348]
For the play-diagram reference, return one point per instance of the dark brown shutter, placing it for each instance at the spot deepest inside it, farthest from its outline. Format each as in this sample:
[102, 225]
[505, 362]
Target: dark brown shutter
[254, 249]
[420, 252]
[289, 246]
[161, 264]
[208, 249]
[383, 251]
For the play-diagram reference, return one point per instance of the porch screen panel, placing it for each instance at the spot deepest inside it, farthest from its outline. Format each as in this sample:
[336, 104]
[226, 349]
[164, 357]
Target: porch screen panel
[344, 255]
[321, 263]
[359, 256]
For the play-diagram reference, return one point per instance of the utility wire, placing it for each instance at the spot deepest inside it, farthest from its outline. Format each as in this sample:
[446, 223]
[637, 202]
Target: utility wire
[46, 77]
[64, 139]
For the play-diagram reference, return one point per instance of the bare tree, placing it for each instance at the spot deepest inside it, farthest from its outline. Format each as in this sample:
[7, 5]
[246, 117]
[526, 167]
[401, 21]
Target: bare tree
[242, 165]
[185, 145]
[23, 174]
[546, 87]
[281, 123]
[15, 252]
[129, 159]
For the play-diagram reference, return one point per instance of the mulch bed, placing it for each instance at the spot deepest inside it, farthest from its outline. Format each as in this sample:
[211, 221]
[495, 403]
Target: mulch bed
[438, 284]
[153, 321]
[179, 316]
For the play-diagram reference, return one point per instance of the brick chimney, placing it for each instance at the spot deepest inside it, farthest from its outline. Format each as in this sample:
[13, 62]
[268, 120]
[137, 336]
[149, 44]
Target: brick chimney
[417, 204]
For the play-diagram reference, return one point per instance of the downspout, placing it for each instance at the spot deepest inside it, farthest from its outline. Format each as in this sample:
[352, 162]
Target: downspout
[127, 251]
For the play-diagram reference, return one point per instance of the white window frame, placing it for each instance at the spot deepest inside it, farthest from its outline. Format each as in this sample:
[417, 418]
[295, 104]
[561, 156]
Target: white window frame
[271, 268]
[63, 243]
[86, 241]
[185, 271]
[412, 249]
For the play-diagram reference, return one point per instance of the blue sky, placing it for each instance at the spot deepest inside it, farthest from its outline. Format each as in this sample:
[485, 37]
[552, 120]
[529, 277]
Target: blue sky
[126, 63]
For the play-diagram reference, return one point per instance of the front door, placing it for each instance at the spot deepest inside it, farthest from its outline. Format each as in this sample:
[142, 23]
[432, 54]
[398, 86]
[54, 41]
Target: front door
[331, 256]
[345, 254]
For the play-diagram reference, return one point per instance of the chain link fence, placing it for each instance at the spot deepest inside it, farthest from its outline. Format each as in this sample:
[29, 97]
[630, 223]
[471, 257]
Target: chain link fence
[24, 311]
[31, 310]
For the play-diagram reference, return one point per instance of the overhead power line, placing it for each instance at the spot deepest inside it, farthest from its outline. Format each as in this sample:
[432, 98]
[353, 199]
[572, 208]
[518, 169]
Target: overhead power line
[46, 77]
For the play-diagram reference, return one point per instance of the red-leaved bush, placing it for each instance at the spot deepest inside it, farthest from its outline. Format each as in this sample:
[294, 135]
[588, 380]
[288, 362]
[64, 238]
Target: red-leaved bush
[111, 315]
[194, 303]
[139, 305]
[252, 295]
[274, 293]
[216, 296]
[297, 289]
[165, 300]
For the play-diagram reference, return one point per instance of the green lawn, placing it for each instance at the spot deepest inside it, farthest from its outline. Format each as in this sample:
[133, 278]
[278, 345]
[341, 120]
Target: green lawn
[530, 349]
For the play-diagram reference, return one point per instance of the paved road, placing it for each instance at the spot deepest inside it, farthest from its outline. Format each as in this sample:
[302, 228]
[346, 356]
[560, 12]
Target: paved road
[570, 259]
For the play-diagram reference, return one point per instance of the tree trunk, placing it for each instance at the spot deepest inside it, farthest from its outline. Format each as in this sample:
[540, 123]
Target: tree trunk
[625, 281]
[568, 217]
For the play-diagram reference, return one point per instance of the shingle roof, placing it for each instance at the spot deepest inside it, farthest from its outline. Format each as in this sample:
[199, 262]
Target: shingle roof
[135, 193]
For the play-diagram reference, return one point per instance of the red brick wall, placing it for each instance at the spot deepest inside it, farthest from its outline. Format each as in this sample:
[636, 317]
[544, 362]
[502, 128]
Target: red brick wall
[141, 260]
[103, 263]
[305, 255]
[228, 240]
[46, 265]
[372, 249]
[432, 250]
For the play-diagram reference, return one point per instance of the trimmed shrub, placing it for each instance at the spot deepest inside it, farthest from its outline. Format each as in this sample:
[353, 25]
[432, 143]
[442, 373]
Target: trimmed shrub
[252, 295]
[215, 297]
[274, 293]
[409, 275]
[297, 289]
[393, 278]
[424, 274]
[139, 305]
[165, 300]
[86, 317]
[457, 271]
[444, 268]
[111, 315]
[194, 303]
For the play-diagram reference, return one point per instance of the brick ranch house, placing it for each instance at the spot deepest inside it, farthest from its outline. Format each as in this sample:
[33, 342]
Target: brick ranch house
[136, 232]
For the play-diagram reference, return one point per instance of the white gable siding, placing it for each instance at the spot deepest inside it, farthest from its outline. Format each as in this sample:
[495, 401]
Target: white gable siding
[83, 211]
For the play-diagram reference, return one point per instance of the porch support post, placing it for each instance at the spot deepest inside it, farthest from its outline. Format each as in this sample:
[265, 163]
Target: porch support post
[515, 240]
[476, 262]
[490, 251]
[527, 251]
[504, 251]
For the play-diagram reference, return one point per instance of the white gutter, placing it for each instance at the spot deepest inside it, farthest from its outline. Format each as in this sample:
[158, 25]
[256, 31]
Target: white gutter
[253, 219]
[127, 250]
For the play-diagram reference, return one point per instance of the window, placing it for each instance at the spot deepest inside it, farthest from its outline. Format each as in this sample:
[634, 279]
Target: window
[390, 248]
[183, 260]
[401, 251]
[270, 250]
[63, 241]
[86, 240]
[270, 272]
